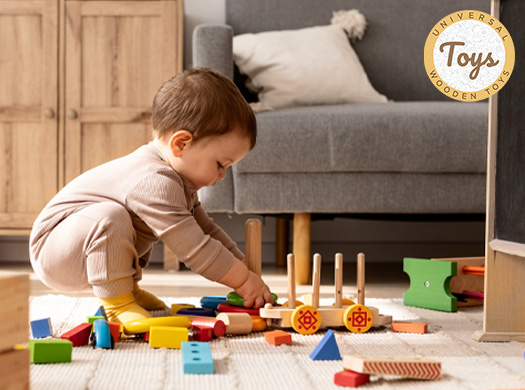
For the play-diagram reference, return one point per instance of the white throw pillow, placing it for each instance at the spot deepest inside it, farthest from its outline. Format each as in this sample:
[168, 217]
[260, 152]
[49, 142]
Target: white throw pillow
[310, 66]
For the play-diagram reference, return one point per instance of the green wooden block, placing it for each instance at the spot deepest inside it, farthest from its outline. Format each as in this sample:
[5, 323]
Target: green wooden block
[50, 351]
[430, 284]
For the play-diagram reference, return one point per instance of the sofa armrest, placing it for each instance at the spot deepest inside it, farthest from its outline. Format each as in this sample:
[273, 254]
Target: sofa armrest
[213, 47]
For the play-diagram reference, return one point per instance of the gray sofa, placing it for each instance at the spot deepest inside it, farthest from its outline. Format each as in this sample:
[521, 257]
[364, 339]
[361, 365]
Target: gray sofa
[422, 154]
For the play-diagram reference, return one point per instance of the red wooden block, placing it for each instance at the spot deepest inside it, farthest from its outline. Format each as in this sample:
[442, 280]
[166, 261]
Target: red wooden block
[350, 378]
[218, 326]
[146, 337]
[409, 327]
[278, 337]
[202, 333]
[79, 335]
[115, 329]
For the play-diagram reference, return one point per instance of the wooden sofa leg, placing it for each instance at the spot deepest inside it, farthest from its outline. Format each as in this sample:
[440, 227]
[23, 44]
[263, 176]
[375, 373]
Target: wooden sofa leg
[282, 237]
[302, 224]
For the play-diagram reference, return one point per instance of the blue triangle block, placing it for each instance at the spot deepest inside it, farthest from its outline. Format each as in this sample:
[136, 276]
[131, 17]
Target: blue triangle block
[327, 348]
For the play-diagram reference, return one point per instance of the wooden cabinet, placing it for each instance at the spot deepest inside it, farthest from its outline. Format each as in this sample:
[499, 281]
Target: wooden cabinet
[77, 80]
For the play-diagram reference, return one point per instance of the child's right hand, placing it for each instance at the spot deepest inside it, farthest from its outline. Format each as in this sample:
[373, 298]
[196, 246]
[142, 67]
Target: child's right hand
[254, 291]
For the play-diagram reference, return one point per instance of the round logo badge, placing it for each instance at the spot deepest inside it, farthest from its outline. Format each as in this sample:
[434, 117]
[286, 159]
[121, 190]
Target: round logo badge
[469, 55]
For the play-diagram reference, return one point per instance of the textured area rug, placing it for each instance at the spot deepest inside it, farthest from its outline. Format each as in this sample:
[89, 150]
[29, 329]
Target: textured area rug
[248, 362]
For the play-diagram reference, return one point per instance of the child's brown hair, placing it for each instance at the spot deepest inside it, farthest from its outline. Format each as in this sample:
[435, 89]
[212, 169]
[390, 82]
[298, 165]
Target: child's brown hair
[203, 102]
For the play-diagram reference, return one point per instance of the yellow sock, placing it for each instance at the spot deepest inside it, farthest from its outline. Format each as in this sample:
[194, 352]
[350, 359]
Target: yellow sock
[146, 299]
[123, 308]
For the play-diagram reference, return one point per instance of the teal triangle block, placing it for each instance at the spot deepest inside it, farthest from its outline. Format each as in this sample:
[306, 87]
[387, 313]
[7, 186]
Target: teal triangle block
[327, 348]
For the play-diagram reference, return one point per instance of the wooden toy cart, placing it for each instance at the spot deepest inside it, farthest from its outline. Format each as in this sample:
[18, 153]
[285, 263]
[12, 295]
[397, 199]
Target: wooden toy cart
[307, 319]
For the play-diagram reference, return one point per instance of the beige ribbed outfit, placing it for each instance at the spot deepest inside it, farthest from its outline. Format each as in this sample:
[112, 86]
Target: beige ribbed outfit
[99, 229]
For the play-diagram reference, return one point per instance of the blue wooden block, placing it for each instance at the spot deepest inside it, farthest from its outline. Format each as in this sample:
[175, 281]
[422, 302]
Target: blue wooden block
[327, 348]
[41, 328]
[212, 301]
[196, 358]
[196, 312]
[101, 312]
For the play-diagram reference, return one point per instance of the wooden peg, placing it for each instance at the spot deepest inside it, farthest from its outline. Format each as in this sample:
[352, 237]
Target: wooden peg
[361, 278]
[338, 280]
[253, 245]
[291, 281]
[316, 280]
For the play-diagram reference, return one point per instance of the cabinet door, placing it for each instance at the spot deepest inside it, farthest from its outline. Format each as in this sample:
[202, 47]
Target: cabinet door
[118, 53]
[28, 109]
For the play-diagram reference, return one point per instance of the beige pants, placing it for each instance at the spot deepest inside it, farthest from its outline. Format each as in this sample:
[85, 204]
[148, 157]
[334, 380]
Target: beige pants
[94, 247]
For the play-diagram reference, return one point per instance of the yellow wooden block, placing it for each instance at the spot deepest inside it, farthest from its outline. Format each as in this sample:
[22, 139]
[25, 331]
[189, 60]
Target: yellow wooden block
[14, 309]
[14, 369]
[167, 336]
[143, 325]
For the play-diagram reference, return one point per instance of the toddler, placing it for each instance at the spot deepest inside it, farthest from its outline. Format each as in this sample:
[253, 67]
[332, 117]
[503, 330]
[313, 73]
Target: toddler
[98, 231]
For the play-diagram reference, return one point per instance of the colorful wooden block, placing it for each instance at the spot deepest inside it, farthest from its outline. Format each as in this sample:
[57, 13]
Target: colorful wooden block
[193, 312]
[196, 358]
[225, 307]
[91, 319]
[116, 329]
[14, 309]
[41, 328]
[418, 368]
[218, 326]
[258, 323]
[278, 337]
[202, 333]
[327, 348]
[50, 351]
[409, 327]
[101, 312]
[236, 323]
[143, 325]
[430, 284]
[167, 336]
[177, 306]
[212, 301]
[79, 335]
[350, 378]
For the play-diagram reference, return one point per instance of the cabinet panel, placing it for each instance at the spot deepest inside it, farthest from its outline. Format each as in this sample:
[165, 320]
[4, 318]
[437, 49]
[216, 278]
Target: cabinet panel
[28, 109]
[118, 53]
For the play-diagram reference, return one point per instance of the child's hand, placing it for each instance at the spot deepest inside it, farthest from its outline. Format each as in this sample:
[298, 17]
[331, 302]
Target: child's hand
[254, 291]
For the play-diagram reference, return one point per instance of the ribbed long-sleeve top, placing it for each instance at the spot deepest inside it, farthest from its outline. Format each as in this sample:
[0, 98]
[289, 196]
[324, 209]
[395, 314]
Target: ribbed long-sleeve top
[162, 205]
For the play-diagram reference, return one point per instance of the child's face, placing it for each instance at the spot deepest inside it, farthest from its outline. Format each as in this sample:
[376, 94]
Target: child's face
[205, 162]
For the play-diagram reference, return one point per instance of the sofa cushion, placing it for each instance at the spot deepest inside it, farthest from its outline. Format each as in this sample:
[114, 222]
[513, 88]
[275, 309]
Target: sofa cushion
[275, 62]
[418, 137]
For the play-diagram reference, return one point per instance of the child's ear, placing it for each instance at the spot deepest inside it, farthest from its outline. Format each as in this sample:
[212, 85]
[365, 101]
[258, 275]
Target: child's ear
[179, 141]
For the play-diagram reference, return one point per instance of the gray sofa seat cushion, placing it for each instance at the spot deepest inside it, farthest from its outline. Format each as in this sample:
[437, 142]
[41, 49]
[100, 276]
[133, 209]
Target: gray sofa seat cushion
[416, 137]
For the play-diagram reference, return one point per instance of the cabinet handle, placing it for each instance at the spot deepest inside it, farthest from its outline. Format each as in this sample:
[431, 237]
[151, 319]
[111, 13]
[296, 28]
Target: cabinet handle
[72, 114]
[49, 113]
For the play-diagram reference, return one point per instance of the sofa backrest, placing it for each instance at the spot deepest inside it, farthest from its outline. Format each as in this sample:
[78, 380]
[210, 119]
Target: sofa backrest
[392, 48]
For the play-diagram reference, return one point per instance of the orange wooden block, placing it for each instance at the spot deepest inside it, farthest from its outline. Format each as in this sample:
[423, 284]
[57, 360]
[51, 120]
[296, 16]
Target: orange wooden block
[409, 327]
[278, 337]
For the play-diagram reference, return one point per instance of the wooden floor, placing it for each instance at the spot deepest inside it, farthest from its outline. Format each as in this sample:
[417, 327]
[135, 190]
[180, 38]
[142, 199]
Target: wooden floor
[382, 281]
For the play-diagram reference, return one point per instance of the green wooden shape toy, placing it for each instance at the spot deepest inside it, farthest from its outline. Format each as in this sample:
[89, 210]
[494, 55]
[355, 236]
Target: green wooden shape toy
[50, 351]
[430, 284]
[235, 299]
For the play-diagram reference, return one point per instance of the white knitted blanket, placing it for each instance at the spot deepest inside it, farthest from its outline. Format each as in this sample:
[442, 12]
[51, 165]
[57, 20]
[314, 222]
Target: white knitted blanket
[248, 362]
